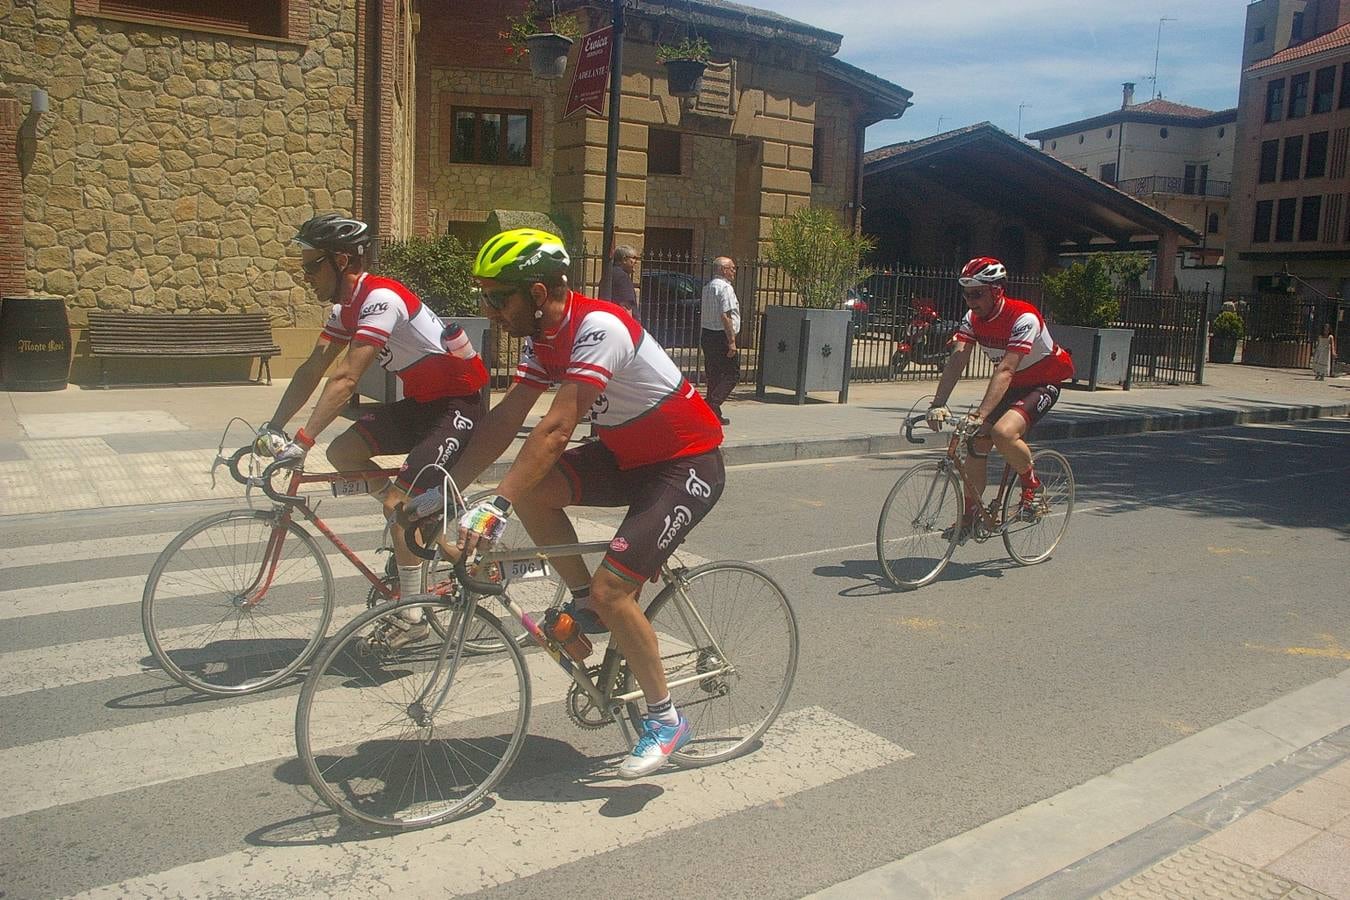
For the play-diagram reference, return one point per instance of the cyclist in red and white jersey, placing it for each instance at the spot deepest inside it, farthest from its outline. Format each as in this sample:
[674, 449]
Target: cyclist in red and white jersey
[1029, 367]
[378, 320]
[658, 453]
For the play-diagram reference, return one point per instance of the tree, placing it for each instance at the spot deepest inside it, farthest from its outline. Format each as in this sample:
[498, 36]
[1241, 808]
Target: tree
[821, 256]
[1083, 294]
[438, 270]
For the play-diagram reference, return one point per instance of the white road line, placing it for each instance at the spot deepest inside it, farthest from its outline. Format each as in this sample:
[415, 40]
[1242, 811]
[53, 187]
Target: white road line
[100, 592]
[518, 837]
[137, 544]
[227, 736]
[1019, 849]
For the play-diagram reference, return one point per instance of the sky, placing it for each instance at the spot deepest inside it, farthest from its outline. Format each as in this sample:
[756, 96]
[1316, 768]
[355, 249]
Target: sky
[970, 61]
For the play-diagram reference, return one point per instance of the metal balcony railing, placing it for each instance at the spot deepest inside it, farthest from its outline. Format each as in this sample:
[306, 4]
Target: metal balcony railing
[1166, 184]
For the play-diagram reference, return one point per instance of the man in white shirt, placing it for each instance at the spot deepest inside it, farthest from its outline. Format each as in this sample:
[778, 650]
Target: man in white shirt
[721, 319]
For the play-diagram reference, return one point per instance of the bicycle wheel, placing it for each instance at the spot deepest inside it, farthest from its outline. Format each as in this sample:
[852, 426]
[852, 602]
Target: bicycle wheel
[236, 603]
[911, 547]
[381, 746]
[723, 614]
[1032, 537]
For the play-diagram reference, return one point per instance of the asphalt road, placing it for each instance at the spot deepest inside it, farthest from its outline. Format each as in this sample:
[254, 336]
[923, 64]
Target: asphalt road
[1203, 576]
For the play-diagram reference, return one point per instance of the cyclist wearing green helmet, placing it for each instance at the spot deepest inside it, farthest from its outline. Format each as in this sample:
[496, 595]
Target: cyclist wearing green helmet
[658, 454]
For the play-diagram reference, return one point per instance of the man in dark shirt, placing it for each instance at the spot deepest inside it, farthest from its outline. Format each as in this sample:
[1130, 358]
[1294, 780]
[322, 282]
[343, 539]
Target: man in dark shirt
[617, 285]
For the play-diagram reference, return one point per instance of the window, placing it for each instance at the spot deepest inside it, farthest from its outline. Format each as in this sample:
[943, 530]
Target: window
[1324, 87]
[494, 137]
[1212, 224]
[1258, 34]
[1309, 218]
[663, 152]
[258, 17]
[1221, 133]
[1261, 228]
[1293, 158]
[1275, 100]
[1296, 28]
[1298, 96]
[818, 156]
[1162, 133]
[1080, 139]
[1108, 173]
[1270, 161]
[1195, 179]
[1317, 155]
[1345, 87]
[1109, 133]
[1284, 219]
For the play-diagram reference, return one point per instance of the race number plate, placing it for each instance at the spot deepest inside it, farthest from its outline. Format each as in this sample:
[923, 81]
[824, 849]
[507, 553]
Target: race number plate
[518, 569]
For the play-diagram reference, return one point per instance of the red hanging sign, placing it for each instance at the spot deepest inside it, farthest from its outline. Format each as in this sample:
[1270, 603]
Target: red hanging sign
[591, 74]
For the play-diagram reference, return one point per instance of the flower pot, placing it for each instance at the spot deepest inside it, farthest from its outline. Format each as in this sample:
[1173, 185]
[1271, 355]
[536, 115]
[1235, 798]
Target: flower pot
[1100, 355]
[548, 54]
[1222, 348]
[805, 350]
[684, 77]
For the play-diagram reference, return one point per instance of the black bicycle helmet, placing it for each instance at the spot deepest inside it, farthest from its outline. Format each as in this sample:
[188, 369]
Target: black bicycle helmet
[334, 233]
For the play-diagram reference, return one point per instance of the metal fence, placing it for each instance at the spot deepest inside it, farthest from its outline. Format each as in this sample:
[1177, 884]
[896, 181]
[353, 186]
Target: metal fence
[1282, 330]
[904, 306]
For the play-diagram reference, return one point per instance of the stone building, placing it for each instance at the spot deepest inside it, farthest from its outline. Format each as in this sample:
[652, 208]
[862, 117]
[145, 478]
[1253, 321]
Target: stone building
[1291, 187]
[183, 141]
[1174, 157]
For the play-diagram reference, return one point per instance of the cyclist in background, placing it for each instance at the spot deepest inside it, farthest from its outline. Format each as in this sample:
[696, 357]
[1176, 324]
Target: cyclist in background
[1029, 367]
[657, 453]
[377, 319]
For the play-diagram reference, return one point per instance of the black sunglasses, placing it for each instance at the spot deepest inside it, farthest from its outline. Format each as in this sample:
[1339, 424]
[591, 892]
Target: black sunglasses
[497, 299]
[311, 268]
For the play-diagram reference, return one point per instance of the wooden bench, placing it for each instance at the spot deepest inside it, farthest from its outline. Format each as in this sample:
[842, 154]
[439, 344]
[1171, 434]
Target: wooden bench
[116, 334]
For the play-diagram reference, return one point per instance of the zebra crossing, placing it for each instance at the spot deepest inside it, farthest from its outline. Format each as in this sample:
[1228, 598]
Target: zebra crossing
[122, 783]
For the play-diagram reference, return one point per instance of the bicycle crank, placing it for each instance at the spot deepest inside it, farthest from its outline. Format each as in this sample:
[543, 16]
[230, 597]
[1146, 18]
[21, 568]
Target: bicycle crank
[582, 710]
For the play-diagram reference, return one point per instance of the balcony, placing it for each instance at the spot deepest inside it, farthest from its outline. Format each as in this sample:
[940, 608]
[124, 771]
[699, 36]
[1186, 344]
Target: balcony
[1184, 187]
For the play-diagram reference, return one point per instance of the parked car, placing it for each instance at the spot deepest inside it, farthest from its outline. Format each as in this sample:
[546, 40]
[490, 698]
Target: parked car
[670, 306]
[858, 302]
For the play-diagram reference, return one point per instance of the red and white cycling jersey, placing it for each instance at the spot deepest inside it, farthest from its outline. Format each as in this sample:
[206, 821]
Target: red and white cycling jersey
[1017, 326]
[433, 360]
[647, 411]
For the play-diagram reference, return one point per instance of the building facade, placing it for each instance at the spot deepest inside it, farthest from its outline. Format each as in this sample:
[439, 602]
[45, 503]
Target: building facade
[182, 142]
[1290, 182]
[1174, 157]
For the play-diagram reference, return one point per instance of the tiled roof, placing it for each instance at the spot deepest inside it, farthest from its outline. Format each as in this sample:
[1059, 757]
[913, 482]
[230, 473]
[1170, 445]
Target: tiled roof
[892, 150]
[1169, 108]
[1329, 41]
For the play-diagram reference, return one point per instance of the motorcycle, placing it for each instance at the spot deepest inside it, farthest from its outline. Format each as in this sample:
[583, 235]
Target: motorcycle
[927, 340]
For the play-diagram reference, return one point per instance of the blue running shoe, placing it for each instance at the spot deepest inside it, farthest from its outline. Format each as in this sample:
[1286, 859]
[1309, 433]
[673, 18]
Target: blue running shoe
[658, 741]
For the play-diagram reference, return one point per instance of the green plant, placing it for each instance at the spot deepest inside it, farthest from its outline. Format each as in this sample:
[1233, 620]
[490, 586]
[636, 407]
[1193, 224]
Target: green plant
[538, 18]
[1229, 325]
[1082, 294]
[820, 255]
[695, 49]
[437, 269]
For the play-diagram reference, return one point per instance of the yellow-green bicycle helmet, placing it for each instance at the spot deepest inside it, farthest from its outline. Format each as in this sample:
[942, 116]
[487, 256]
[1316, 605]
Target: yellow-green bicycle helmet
[522, 254]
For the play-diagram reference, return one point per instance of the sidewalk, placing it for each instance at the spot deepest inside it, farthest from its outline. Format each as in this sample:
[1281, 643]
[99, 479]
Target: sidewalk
[90, 448]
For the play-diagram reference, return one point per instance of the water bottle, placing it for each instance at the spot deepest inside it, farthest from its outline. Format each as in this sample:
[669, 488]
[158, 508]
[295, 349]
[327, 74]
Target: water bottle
[564, 630]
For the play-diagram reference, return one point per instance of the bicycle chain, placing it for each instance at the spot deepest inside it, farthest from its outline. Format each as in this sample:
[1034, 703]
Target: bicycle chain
[582, 710]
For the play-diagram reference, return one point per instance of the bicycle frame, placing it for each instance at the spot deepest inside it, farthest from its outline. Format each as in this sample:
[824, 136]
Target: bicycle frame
[602, 698]
[283, 510]
[990, 519]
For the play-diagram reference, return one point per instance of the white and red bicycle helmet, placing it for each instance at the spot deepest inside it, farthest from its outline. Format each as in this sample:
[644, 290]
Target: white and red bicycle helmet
[983, 270]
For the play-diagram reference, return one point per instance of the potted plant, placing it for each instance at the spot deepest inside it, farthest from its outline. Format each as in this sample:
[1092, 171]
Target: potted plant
[1224, 334]
[439, 271]
[542, 35]
[1082, 303]
[808, 347]
[685, 63]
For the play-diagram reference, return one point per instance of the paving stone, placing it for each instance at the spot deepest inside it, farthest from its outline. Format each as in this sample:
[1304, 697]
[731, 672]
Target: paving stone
[1197, 872]
[1320, 802]
[1322, 863]
[1259, 838]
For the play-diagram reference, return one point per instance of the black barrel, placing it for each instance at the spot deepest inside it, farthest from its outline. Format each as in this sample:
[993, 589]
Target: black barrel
[34, 343]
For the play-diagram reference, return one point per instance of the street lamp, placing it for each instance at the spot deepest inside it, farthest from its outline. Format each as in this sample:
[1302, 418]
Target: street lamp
[612, 145]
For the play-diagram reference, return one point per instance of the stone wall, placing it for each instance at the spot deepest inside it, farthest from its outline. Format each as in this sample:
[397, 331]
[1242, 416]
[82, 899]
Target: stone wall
[174, 165]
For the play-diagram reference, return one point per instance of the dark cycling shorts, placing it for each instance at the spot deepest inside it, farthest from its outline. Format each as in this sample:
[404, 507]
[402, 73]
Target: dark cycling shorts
[1031, 402]
[434, 431]
[665, 501]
